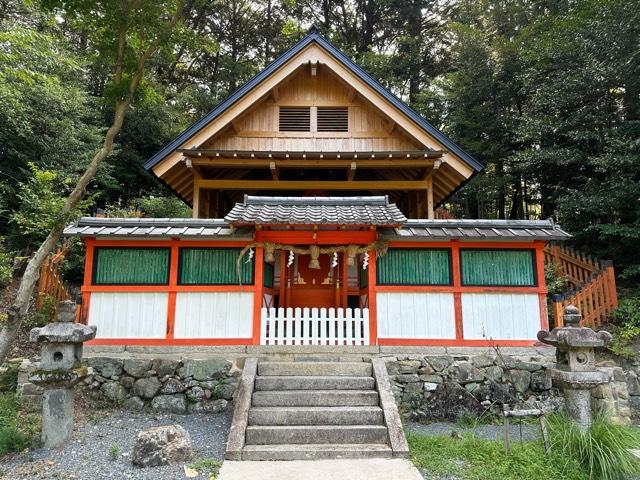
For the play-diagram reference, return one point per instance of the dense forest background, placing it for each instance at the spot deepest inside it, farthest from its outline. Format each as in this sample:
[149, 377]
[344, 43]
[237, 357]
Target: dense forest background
[546, 93]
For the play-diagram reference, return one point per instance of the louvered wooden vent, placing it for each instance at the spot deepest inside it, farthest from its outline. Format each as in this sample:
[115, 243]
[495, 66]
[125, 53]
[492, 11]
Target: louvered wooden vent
[333, 119]
[295, 119]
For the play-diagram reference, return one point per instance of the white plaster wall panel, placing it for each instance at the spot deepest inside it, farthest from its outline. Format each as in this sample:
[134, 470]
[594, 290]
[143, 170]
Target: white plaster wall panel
[214, 315]
[415, 315]
[500, 316]
[129, 314]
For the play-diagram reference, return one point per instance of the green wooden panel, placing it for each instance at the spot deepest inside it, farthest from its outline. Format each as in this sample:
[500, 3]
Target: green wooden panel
[131, 266]
[414, 266]
[213, 266]
[497, 267]
[267, 275]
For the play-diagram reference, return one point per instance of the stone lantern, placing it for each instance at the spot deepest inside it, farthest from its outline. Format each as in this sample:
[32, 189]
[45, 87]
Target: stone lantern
[575, 373]
[59, 370]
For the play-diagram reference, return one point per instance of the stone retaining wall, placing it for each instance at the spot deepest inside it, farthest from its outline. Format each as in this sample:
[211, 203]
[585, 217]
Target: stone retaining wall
[426, 387]
[162, 385]
[448, 387]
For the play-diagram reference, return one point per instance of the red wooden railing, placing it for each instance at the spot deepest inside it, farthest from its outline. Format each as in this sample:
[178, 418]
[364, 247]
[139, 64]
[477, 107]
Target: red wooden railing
[50, 283]
[593, 285]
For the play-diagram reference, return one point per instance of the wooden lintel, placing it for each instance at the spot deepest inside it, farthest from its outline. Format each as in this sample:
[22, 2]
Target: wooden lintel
[352, 172]
[274, 170]
[312, 185]
[328, 163]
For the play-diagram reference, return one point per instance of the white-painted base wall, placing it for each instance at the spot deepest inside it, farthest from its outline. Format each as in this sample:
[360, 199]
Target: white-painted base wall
[214, 315]
[500, 316]
[416, 315]
[128, 314]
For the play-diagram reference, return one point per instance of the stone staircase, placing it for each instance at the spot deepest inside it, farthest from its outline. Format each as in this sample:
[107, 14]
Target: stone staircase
[302, 410]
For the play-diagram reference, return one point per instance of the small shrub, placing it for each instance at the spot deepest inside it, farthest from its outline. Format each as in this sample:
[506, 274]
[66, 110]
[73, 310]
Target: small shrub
[6, 265]
[556, 282]
[12, 437]
[602, 452]
[206, 466]
[626, 327]
[114, 451]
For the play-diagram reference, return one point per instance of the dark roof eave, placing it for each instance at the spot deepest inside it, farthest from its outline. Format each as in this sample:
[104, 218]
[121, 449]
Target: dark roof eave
[313, 36]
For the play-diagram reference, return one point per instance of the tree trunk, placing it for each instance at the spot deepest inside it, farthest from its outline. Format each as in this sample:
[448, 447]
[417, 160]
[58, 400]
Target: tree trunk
[20, 306]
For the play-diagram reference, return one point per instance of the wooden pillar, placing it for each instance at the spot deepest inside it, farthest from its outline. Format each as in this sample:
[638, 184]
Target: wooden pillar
[430, 213]
[195, 213]
[257, 293]
[173, 282]
[373, 314]
[457, 289]
[88, 279]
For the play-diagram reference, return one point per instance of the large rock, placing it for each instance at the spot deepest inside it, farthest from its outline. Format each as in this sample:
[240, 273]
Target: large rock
[209, 369]
[482, 361]
[164, 366]
[206, 406]
[467, 373]
[170, 403]
[107, 367]
[541, 381]
[520, 379]
[146, 387]
[172, 385]
[137, 367]
[439, 363]
[114, 391]
[195, 394]
[135, 404]
[162, 446]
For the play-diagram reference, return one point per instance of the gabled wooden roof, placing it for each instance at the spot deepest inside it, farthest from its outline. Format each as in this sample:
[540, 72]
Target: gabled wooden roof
[313, 37]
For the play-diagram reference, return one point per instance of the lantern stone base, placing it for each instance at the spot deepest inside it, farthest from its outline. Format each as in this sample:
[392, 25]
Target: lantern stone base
[57, 416]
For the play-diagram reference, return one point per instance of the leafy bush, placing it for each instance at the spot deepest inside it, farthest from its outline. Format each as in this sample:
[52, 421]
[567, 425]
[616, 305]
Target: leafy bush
[626, 328]
[152, 207]
[6, 265]
[12, 436]
[602, 452]
[555, 281]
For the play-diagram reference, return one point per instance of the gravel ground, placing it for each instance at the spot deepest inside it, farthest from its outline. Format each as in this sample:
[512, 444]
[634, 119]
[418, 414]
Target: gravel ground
[88, 455]
[489, 432]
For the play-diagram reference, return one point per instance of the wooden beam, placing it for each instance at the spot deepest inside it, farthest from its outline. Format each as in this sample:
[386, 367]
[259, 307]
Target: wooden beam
[274, 170]
[430, 214]
[194, 169]
[326, 163]
[352, 172]
[196, 199]
[311, 185]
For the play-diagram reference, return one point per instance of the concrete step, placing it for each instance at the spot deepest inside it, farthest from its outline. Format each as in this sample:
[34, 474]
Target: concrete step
[315, 451]
[295, 382]
[314, 398]
[316, 416]
[349, 369]
[297, 434]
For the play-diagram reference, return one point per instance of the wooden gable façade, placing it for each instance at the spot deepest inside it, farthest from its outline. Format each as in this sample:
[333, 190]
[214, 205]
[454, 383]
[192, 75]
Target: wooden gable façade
[312, 123]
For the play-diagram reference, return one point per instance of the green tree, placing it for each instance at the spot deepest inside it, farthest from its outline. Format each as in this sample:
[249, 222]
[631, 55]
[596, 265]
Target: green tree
[126, 35]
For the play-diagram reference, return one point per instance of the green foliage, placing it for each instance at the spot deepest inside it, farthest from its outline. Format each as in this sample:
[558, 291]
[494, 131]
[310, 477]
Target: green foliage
[13, 435]
[472, 458]
[556, 282]
[626, 328]
[114, 451]
[6, 265]
[152, 207]
[41, 199]
[602, 452]
[206, 466]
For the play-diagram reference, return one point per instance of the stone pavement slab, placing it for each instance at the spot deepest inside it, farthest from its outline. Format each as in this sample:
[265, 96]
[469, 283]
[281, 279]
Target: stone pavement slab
[361, 469]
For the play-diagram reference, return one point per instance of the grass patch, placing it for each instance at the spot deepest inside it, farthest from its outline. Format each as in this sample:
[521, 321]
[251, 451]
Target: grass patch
[472, 458]
[206, 466]
[17, 429]
[602, 452]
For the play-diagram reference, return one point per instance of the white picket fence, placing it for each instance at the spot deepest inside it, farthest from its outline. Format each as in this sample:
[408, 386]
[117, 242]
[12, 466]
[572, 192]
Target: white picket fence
[313, 326]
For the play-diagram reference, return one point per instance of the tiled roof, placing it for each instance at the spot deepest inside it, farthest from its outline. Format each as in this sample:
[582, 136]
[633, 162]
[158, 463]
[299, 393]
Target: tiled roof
[495, 230]
[160, 228]
[316, 211]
